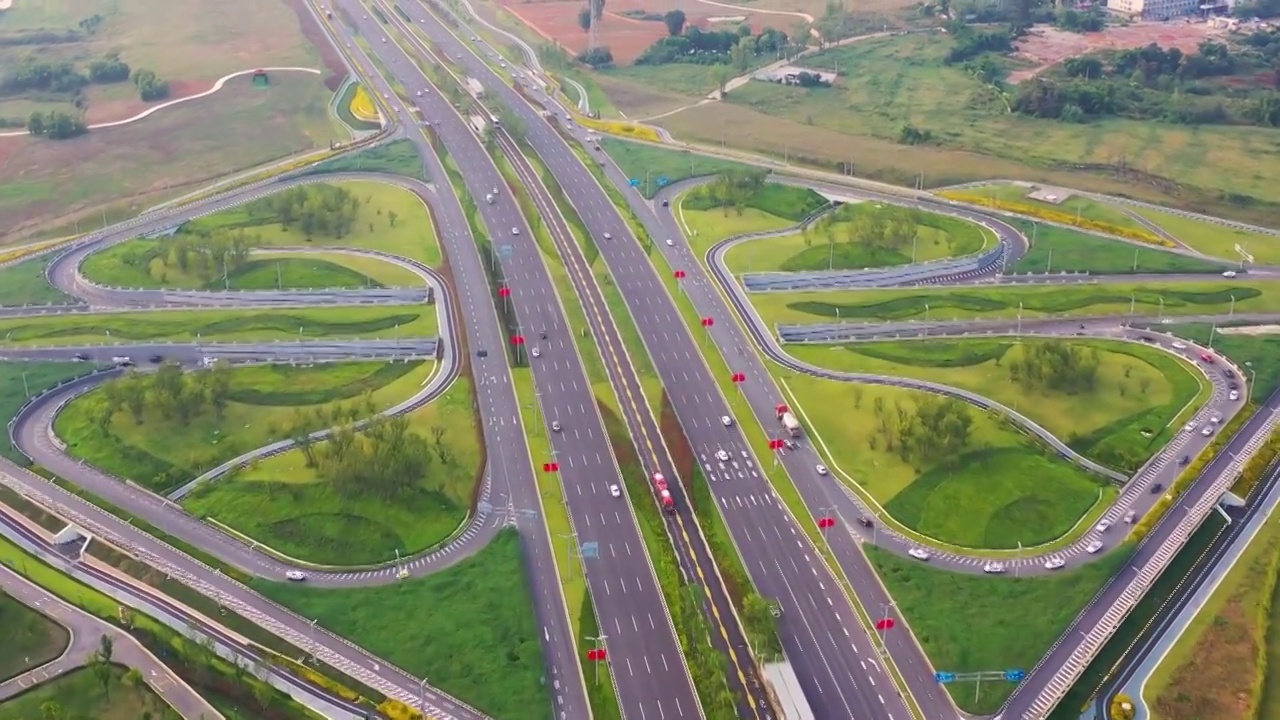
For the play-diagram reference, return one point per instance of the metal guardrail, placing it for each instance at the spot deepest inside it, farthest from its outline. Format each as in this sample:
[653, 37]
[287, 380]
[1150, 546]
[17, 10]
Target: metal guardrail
[872, 277]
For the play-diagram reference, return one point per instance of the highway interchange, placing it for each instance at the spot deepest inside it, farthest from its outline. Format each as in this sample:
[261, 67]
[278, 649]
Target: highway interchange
[839, 665]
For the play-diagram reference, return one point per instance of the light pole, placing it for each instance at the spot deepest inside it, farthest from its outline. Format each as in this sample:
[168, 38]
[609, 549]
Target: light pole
[313, 639]
[599, 642]
[1253, 380]
[824, 515]
[570, 542]
[25, 388]
[884, 625]
[422, 696]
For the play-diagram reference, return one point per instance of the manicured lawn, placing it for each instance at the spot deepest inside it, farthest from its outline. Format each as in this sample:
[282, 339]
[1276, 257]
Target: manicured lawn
[29, 639]
[837, 248]
[1058, 249]
[412, 235]
[1258, 353]
[1002, 490]
[1139, 391]
[705, 228]
[637, 159]
[282, 503]
[221, 326]
[1006, 302]
[1219, 669]
[1217, 240]
[470, 629]
[973, 623]
[79, 695]
[13, 393]
[266, 403]
[24, 284]
[399, 157]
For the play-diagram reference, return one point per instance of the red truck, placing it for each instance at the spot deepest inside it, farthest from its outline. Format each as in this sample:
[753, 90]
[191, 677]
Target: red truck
[664, 494]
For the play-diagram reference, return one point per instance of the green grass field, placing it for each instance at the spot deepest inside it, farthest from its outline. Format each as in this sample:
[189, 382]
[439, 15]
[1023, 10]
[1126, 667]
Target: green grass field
[639, 161]
[13, 391]
[1220, 668]
[937, 237]
[80, 695]
[23, 283]
[971, 623]
[411, 235]
[1140, 391]
[221, 326]
[705, 228]
[283, 504]
[1010, 491]
[1083, 207]
[29, 639]
[398, 157]
[267, 403]
[1057, 249]
[1217, 240]
[469, 629]
[1199, 298]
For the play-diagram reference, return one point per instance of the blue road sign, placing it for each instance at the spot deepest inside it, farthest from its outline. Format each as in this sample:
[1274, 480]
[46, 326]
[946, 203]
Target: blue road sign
[944, 677]
[1015, 675]
[590, 550]
[662, 181]
[635, 182]
[505, 250]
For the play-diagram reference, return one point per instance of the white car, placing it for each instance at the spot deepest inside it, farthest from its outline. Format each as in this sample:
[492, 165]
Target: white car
[919, 553]
[536, 352]
[495, 190]
[722, 456]
[1207, 431]
[515, 231]
[384, 39]
[1190, 426]
[419, 93]
[607, 236]
[993, 568]
[1215, 419]
[1055, 563]
[822, 469]
[1229, 274]
[726, 421]
[614, 491]
[671, 243]
[555, 426]
[1179, 346]
[1093, 547]
[1103, 525]
[1130, 516]
[1234, 395]
[296, 575]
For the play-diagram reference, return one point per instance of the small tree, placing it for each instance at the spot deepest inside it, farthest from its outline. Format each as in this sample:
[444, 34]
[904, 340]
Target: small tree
[584, 19]
[674, 20]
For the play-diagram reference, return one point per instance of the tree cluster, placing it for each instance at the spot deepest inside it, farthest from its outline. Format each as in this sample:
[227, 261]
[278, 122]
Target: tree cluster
[205, 256]
[170, 392]
[731, 189]
[1153, 83]
[888, 228]
[150, 86]
[1073, 20]
[56, 125]
[58, 77]
[936, 431]
[674, 20]
[596, 57]
[590, 14]
[384, 459]
[1056, 367]
[970, 43]
[109, 69]
[324, 210]
[719, 47]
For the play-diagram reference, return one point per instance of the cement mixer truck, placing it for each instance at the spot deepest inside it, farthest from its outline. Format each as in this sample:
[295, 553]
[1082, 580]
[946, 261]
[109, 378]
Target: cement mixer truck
[788, 421]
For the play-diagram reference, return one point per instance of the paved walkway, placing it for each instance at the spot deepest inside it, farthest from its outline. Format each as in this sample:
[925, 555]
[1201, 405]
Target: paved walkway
[85, 633]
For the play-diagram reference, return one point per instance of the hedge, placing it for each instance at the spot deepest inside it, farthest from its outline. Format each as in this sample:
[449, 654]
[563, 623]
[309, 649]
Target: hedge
[1257, 467]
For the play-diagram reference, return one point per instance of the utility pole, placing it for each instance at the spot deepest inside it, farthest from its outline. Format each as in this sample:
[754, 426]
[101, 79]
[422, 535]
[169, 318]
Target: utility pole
[570, 541]
[25, 388]
[313, 639]
[599, 642]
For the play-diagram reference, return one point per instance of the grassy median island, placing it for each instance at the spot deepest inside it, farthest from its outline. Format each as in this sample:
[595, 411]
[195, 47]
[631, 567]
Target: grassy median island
[1216, 239]
[215, 252]
[24, 283]
[737, 202]
[862, 235]
[19, 378]
[1110, 400]
[367, 322]
[29, 639]
[297, 504]
[80, 694]
[469, 629]
[165, 428]
[974, 623]
[1057, 249]
[1191, 298]
[944, 469]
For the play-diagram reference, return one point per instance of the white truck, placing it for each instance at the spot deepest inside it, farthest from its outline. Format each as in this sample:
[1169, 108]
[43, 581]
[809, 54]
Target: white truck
[788, 420]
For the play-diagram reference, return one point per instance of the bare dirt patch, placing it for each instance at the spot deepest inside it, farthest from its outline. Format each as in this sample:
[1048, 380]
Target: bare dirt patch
[1046, 46]
[625, 36]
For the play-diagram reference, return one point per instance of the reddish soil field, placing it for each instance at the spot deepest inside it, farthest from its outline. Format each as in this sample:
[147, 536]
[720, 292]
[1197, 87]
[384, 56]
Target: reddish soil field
[626, 37]
[1047, 46]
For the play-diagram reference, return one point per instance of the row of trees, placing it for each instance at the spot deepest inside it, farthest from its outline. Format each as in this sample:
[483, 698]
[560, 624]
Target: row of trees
[205, 256]
[385, 458]
[56, 125]
[324, 210]
[936, 431]
[62, 76]
[719, 47]
[888, 228]
[169, 392]
[731, 189]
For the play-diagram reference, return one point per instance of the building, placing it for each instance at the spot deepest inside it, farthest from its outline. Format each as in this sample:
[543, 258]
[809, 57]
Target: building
[1167, 9]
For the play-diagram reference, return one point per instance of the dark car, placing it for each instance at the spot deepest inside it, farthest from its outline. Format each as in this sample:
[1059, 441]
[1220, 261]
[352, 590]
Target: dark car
[865, 522]
[544, 336]
[81, 357]
[1186, 460]
[1233, 386]
[482, 353]
[666, 203]
[156, 358]
[1229, 375]
[1157, 488]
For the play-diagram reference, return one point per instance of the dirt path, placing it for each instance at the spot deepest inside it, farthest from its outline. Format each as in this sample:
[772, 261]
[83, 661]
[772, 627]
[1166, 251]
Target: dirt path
[149, 111]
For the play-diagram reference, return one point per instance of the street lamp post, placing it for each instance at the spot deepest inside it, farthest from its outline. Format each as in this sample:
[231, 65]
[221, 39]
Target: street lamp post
[599, 642]
[1253, 380]
[422, 696]
[314, 643]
